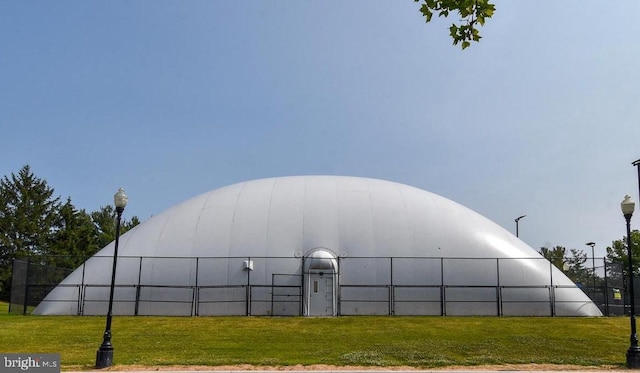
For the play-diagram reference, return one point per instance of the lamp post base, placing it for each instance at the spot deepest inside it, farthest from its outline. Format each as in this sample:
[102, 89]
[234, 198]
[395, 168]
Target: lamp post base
[633, 358]
[104, 357]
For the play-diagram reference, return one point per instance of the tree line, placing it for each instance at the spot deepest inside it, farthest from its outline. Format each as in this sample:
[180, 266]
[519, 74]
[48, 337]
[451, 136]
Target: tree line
[574, 262]
[37, 224]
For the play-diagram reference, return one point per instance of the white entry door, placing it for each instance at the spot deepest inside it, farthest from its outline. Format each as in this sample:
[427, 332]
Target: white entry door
[321, 294]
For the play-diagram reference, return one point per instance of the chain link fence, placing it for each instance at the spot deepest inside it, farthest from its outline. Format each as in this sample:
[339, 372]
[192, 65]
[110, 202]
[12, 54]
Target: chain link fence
[31, 282]
[366, 286]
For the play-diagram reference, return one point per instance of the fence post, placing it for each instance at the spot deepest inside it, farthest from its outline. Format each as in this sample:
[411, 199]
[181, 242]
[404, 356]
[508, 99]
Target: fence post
[194, 300]
[135, 312]
[443, 297]
[137, 306]
[606, 287]
[248, 311]
[443, 301]
[391, 289]
[391, 301]
[498, 288]
[337, 286]
[196, 295]
[84, 297]
[552, 298]
[26, 288]
[81, 291]
[248, 290]
[272, 280]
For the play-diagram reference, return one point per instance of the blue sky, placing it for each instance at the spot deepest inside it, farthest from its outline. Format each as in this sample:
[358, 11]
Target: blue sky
[171, 99]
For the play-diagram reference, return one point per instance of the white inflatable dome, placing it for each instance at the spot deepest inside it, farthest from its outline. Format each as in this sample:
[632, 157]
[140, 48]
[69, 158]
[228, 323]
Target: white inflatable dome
[319, 245]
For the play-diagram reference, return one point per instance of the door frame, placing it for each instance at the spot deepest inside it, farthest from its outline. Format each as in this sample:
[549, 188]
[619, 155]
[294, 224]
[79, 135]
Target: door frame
[322, 262]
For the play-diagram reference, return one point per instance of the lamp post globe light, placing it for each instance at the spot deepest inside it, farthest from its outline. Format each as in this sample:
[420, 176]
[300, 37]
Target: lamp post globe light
[633, 353]
[104, 356]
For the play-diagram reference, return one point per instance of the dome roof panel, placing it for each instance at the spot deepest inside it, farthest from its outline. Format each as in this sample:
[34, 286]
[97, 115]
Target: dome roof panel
[286, 217]
[320, 220]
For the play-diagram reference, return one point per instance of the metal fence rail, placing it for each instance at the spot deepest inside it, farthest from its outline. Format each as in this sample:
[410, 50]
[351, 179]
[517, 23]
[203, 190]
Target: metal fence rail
[430, 287]
[259, 300]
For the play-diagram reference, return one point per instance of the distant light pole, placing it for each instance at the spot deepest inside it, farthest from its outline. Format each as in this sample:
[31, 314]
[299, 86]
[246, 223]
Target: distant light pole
[637, 164]
[633, 353]
[517, 221]
[104, 356]
[593, 263]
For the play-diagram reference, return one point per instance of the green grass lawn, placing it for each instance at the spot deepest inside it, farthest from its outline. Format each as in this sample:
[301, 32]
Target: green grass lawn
[425, 342]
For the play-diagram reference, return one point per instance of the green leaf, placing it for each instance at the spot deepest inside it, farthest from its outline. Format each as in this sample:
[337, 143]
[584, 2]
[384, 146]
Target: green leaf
[472, 12]
[426, 12]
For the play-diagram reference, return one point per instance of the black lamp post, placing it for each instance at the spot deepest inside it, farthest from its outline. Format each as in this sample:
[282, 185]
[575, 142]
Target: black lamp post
[633, 353]
[104, 356]
[517, 221]
[593, 264]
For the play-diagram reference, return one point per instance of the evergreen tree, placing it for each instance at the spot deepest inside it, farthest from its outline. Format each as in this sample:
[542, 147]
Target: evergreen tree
[576, 269]
[572, 265]
[35, 225]
[556, 256]
[75, 238]
[104, 221]
[28, 212]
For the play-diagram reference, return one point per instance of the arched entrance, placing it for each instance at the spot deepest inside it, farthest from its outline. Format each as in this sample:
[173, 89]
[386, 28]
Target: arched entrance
[320, 283]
